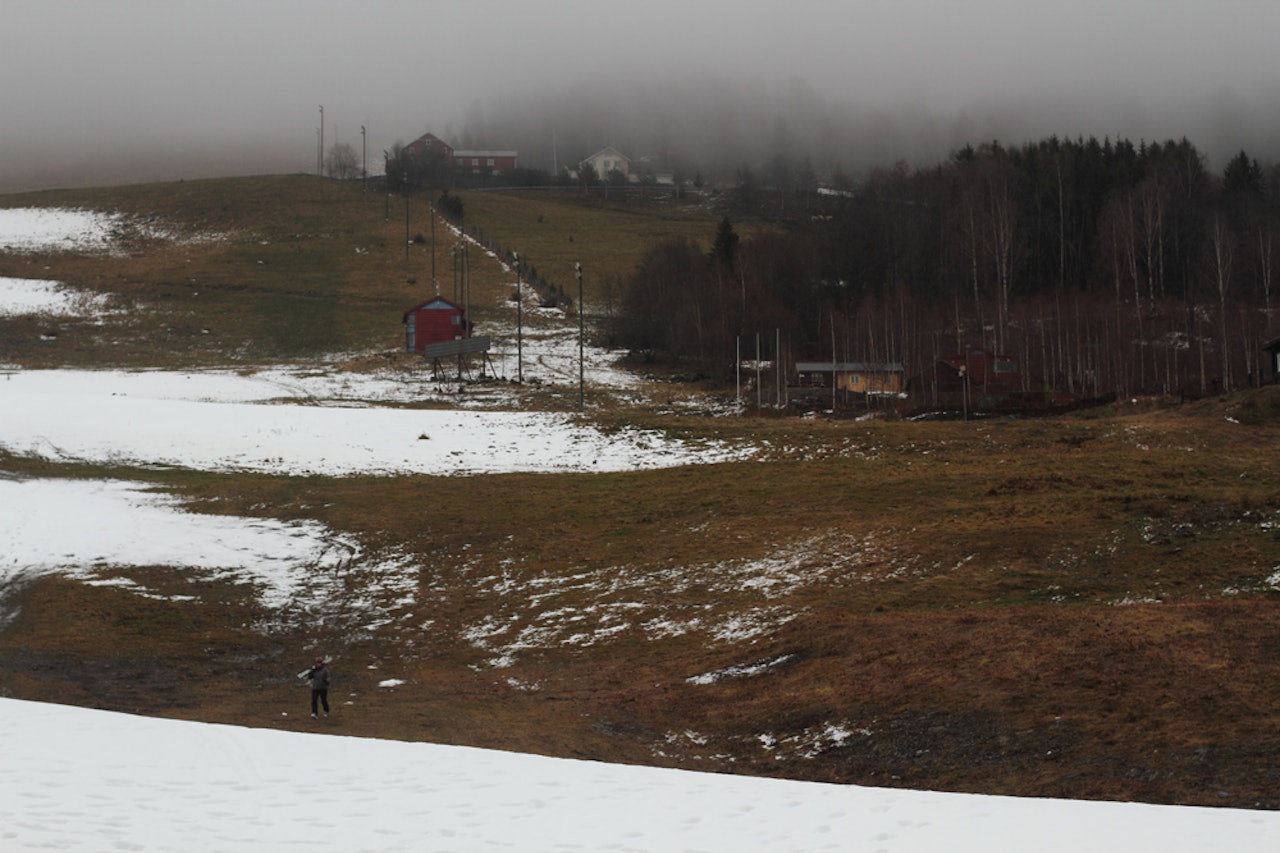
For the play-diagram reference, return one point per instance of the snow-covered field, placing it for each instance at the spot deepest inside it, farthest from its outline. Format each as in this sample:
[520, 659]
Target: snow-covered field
[225, 421]
[80, 779]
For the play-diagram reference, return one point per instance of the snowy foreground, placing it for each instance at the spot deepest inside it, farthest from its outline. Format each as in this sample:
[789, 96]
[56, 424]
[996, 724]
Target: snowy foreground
[77, 779]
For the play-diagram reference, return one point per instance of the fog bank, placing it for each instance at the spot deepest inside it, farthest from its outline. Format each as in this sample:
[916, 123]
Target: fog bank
[101, 91]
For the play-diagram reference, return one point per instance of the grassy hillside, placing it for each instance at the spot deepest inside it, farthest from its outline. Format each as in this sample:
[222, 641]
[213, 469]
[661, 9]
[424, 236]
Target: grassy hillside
[1079, 607]
[553, 232]
[292, 267]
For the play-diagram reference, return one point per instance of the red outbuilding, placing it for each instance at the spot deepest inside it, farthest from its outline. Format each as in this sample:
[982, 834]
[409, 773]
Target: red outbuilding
[434, 321]
[485, 162]
[982, 366]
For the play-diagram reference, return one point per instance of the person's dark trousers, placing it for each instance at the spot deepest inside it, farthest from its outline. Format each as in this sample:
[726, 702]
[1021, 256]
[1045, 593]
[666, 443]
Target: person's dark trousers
[321, 696]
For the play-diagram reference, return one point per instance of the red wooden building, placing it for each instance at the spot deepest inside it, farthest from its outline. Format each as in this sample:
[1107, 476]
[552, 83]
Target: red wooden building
[982, 366]
[485, 162]
[434, 321]
[475, 162]
[429, 143]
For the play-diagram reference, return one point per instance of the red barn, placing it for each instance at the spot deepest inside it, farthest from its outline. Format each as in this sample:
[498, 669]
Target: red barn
[474, 162]
[429, 143]
[434, 321]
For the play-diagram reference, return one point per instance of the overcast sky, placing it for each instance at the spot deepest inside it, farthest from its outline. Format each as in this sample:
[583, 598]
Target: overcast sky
[95, 90]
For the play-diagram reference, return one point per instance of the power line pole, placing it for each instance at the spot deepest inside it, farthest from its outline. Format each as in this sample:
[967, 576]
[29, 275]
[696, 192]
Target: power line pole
[582, 386]
[759, 400]
[777, 362]
[519, 324]
[320, 162]
[737, 370]
[364, 163]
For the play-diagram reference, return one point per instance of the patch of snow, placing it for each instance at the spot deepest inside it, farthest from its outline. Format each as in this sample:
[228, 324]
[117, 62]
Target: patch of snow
[741, 670]
[1130, 601]
[59, 229]
[33, 229]
[97, 531]
[218, 421]
[754, 623]
[20, 296]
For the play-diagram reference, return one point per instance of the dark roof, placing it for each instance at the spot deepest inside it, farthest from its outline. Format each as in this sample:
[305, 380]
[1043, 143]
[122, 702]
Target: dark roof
[849, 366]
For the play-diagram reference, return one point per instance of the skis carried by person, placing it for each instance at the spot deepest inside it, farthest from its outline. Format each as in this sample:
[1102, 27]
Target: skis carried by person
[320, 678]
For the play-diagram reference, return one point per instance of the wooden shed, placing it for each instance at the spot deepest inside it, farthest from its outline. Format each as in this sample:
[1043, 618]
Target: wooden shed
[434, 321]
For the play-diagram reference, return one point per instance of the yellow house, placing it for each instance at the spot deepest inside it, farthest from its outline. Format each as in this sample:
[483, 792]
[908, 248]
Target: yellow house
[860, 377]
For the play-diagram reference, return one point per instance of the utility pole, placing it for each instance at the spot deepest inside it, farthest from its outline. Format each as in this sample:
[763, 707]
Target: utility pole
[833, 362]
[758, 390]
[737, 370]
[406, 228]
[777, 359]
[364, 163]
[519, 324]
[582, 385]
[320, 162]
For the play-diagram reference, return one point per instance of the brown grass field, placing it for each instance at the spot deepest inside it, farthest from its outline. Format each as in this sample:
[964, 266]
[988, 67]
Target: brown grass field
[1083, 606]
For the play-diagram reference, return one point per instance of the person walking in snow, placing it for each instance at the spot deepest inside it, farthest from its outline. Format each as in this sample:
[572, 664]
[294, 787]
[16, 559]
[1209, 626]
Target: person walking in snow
[319, 677]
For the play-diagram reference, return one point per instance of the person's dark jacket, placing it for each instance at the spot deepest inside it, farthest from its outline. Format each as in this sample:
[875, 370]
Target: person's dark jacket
[319, 676]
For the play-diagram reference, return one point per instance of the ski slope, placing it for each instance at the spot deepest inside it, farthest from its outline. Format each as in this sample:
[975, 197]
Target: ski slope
[86, 780]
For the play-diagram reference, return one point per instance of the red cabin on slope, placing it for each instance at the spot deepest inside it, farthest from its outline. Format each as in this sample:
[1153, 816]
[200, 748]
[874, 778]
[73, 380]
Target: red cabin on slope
[434, 321]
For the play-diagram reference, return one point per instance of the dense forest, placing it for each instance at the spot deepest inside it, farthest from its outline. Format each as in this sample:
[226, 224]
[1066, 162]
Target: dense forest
[1100, 267]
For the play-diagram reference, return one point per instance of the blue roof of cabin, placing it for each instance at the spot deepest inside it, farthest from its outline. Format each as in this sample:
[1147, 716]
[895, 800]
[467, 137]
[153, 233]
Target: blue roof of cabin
[436, 303]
